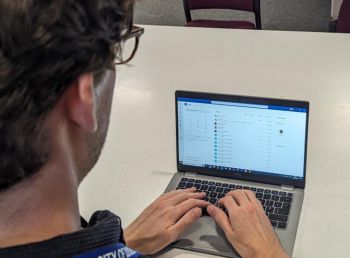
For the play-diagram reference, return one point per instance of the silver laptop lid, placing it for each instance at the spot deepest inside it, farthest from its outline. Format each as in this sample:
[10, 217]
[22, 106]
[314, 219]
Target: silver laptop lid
[246, 138]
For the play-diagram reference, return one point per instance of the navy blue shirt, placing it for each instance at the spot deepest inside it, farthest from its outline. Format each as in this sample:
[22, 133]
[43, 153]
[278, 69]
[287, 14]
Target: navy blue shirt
[102, 236]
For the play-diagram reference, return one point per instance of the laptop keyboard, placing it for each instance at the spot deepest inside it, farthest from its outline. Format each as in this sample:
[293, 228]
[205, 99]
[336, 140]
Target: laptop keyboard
[276, 204]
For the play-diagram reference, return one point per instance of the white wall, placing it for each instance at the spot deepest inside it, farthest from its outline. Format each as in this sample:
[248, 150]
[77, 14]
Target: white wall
[335, 8]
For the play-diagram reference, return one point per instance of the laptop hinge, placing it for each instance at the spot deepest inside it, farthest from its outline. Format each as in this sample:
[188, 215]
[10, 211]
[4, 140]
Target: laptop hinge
[287, 187]
[190, 174]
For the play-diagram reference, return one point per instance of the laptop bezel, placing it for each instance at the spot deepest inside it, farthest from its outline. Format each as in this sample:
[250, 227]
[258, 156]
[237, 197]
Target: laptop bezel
[276, 180]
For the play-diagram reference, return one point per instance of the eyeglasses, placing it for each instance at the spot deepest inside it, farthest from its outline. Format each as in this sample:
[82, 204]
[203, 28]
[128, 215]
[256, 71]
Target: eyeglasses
[134, 34]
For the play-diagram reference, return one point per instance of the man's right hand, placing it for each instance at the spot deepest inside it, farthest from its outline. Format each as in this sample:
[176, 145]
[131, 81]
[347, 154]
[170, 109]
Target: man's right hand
[247, 227]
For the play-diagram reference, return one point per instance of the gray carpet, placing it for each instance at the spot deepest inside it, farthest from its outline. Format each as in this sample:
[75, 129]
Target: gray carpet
[299, 15]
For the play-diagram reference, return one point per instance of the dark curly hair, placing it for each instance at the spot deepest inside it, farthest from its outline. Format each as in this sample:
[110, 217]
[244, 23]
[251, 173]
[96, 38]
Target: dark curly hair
[44, 46]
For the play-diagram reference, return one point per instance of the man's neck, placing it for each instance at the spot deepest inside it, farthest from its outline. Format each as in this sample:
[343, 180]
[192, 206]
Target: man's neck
[40, 208]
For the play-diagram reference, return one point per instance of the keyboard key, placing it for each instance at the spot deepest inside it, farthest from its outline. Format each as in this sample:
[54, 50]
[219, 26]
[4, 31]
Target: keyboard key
[260, 190]
[283, 193]
[275, 198]
[274, 223]
[277, 217]
[189, 185]
[269, 209]
[218, 184]
[239, 187]
[281, 225]
[232, 186]
[226, 190]
[267, 191]
[181, 184]
[213, 195]
[224, 185]
[253, 189]
[269, 203]
[282, 211]
[267, 196]
[204, 212]
[198, 181]
[184, 179]
[204, 182]
[286, 199]
[274, 192]
[213, 200]
[211, 183]
[221, 196]
[219, 189]
[259, 195]
[198, 186]
[286, 205]
[246, 187]
[278, 204]
[290, 195]
[262, 201]
[204, 187]
[212, 188]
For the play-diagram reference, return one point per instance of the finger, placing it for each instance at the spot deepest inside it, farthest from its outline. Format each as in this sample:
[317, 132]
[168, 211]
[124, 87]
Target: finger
[168, 195]
[189, 204]
[179, 198]
[256, 203]
[221, 219]
[239, 197]
[251, 196]
[260, 206]
[229, 203]
[187, 220]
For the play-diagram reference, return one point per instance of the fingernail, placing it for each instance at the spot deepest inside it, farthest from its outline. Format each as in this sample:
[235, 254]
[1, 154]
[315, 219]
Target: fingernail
[211, 209]
[198, 212]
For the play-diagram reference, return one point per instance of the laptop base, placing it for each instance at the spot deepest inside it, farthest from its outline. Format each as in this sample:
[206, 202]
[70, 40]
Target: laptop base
[205, 235]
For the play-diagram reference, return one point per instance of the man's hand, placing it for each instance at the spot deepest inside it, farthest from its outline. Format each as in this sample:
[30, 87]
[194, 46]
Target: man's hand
[164, 220]
[247, 227]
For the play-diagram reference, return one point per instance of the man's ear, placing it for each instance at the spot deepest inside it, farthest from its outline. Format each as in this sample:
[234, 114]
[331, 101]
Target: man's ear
[80, 102]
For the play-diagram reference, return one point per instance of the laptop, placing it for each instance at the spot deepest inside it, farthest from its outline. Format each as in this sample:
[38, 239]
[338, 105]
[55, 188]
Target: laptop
[228, 142]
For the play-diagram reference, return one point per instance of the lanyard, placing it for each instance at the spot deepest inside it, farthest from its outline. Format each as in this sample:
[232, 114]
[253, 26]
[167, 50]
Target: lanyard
[113, 251]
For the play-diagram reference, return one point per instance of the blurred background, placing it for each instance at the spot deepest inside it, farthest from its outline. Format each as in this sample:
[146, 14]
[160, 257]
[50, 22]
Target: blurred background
[292, 15]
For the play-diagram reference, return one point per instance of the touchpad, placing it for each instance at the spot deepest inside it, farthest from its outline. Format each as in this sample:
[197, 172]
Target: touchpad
[206, 236]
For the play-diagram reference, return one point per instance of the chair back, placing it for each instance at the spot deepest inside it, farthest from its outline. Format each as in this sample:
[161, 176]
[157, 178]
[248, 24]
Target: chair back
[243, 5]
[344, 17]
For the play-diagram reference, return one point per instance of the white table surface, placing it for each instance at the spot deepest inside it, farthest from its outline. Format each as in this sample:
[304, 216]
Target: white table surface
[139, 157]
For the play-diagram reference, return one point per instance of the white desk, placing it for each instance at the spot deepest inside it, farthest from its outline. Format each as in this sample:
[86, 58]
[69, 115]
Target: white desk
[139, 157]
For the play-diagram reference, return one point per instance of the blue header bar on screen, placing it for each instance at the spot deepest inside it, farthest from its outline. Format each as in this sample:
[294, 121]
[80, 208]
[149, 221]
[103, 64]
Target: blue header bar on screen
[236, 104]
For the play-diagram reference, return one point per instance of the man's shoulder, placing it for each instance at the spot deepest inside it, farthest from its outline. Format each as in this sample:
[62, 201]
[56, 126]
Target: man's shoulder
[101, 236]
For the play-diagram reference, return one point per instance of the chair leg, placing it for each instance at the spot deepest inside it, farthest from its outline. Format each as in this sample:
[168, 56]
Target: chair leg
[187, 11]
[257, 12]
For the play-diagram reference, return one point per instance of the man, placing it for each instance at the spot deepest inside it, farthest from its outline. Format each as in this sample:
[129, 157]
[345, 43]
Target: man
[56, 85]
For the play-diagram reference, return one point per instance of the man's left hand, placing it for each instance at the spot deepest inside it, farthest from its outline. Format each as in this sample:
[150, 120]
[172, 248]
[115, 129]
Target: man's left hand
[164, 220]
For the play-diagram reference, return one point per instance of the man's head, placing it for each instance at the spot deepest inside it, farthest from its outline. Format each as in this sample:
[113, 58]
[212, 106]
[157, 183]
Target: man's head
[51, 53]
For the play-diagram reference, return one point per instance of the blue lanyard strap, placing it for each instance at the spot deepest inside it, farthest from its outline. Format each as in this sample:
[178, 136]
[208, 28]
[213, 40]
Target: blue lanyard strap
[113, 251]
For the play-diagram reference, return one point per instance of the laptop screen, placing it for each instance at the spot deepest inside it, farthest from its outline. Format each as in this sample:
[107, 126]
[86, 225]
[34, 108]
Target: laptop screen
[243, 137]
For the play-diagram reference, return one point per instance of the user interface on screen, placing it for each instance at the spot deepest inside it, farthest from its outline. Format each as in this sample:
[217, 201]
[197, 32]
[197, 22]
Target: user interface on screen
[238, 137]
